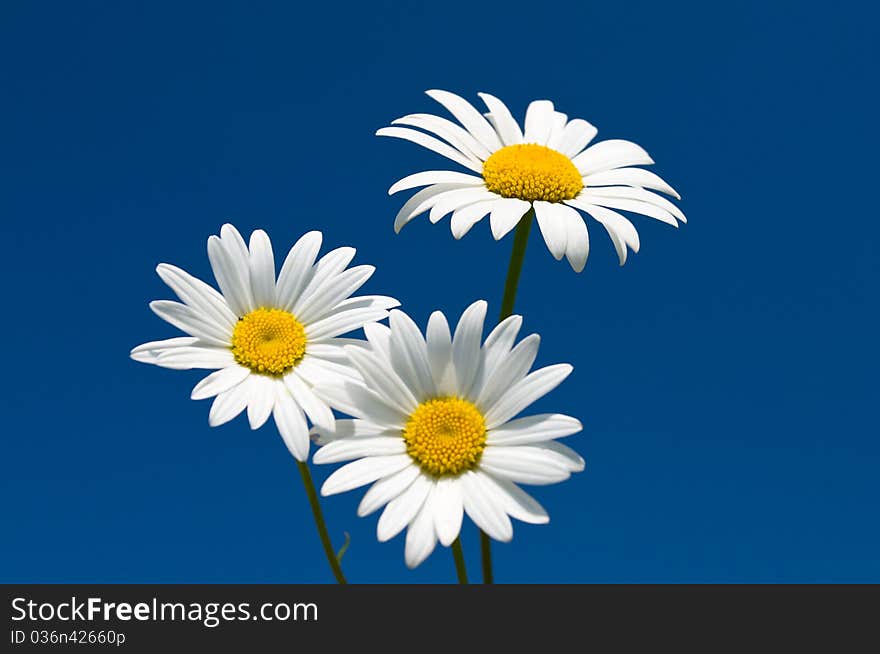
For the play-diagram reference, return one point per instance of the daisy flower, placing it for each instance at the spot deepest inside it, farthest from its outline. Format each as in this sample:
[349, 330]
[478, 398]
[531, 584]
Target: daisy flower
[547, 167]
[273, 343]
[434, 428]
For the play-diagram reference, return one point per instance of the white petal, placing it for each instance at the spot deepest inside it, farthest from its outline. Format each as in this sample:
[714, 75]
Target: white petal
[383, 380]
[447, 509]
[409, 355]
[364, 471]
[351, 429]
[632, 177]
[525, 392]
[587, 200]
[342, 323]
[347, 449]
[466, 346]
[421, 202]
[191, 321]
[496, 348]
[534, 429]
[557, 125]
[262, 269]
[291, 424]
[539, 122]
[402, 509]
[468, 116]
[458, 199]
[435, 177]
[506, 214]
[147, 352]
[197, 294]
[228, 404]
[525, 464]
[379, 339]
[219, 381]
[385, 490]
[553, 228]
[509, 371]
[455, 135]
[197, 356]
[315, 408]
[573, 461]
[421, 538]
[508, 129]
[575, 137]
[621, 231]
[466, 217]
[361, 402]
[519, 504]
[433, 144]
[366, 302]
[324, 299]
[609, 154]
[229, 261]
[297, 269]
[261, 399]
[479, 504]
[577, 244]
[639, 194]
[439, 345]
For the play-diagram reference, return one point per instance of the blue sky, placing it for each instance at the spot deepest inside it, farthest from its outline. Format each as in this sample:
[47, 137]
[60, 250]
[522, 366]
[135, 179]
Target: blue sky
[726, 376]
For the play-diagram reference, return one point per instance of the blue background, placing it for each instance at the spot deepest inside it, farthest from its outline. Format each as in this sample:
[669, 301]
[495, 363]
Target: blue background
[726, 376]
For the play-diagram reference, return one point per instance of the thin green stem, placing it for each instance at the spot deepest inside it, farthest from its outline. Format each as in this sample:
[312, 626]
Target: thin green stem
[517, 256]
[458, 555]
[319, 522]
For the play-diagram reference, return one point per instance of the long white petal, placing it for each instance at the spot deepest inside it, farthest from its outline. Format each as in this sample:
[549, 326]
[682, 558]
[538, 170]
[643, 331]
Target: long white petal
[336, 289]
[262, 269]
[525, 464]
[421, 202]
[534, 429]
[577, 244]
[642, 195]
[523, 393]
[439, 343]
[291, 424]
[447, 509]
[147, 352]
[632, 177]
[191, 321]
[197, 356]
[435, 177]
[519, 504]
[539, 122]
[381, 378]
[342, 323]
[315, 408]
[296, 272]
[364, 471]
[436, 145]
[506, 214]
[261, 399]
[509, 371]
[507, 127]
[455, 135]
[219, 381]
[421, 538]
[575, 137]
[613, 153]
[457, 199]
[409, 355]
[620, 230]
[228, 404]
[466, 217]
[586, 200]
[402, 509]
[387, 489]
[472, 120]
[347, 449]
[229, 260]
[553, 228]
[197, 294]
[466, 346]
[573, 461]
[481, 508]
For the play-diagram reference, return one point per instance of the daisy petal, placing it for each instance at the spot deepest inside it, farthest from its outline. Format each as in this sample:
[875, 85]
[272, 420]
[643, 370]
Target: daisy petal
[364, 471]
[508, 129]
[466, 346]
[262, 269]
[575, 137]
[609, 154]
[466, 217]
[539, 122]
[198, 356]
[472, 120]
[631, 177]
[478, 501]
[447, 510]
[435, 177]
[553, 228]
[525, 392]
[455, 135]
[506, 214]
[219, 381]
[534, 429]
[519, 504]
[525, 464]
[346, 449]
[385, 490]
[227, 405]
[577, 244]
[296, 272]
[291, 424]
[198, 295]
[421, 537]
[315, 408]
[433, 144]
[402, 509]
[192, 322]
[261, 392]
[439, 344]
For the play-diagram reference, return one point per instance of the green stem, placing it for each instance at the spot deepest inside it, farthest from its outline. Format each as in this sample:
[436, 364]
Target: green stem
[458, 555]
[319, 522]
[517, 256]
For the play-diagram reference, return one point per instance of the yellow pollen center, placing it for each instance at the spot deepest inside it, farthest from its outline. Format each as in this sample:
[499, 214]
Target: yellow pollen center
[445, 436]
[269, 341]
[532, 172]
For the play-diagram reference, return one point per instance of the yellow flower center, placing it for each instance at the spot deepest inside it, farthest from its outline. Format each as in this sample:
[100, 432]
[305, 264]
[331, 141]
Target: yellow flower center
[532, 172]
[270, 341]
[445, 436]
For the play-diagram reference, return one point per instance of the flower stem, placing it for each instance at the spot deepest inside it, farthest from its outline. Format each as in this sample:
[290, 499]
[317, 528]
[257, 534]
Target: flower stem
[517, 256]
[319, 521]
[458, 555]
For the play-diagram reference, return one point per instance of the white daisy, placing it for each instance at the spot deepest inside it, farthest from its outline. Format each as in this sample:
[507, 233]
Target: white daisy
[545, 167]
[434, 429]
[274, 343]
